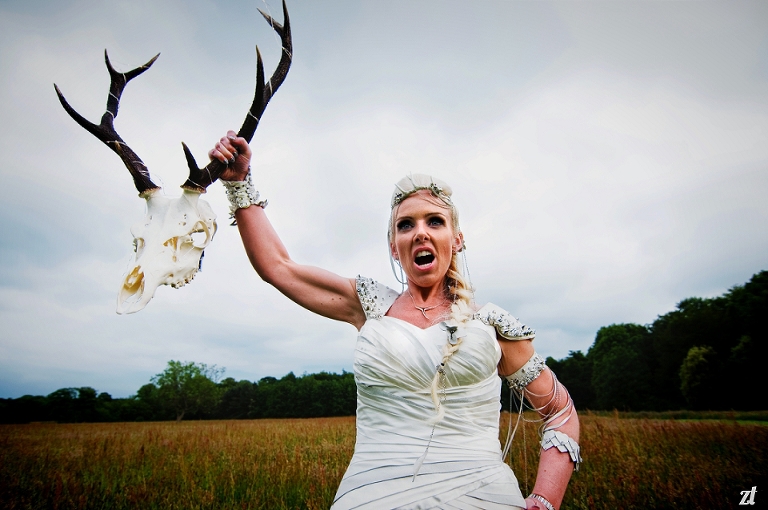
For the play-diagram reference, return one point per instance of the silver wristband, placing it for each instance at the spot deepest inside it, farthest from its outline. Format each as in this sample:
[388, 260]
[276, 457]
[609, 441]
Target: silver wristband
[544, 501]
[242, 194]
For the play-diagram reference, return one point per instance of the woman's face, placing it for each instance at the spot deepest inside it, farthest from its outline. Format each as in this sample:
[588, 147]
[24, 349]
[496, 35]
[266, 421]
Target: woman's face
[423, 239]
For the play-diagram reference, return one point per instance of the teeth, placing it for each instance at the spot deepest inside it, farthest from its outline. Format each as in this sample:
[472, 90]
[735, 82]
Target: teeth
[423, 253]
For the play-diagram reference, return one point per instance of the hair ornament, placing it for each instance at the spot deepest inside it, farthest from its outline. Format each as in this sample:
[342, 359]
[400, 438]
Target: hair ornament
[410, 184]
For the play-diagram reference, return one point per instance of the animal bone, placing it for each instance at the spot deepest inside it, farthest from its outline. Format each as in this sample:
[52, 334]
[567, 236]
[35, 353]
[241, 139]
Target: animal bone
[168, 249]
[170, 242]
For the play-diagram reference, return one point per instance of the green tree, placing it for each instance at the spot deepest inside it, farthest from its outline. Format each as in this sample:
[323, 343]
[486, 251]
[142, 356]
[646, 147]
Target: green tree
[145, 405]
[188, 388]
[237, 398]
[24, 409]
[105, 407]
[620, 367]
[696, 322]
[85, 405]
[61, 405]
[697, 375]
[575, 372]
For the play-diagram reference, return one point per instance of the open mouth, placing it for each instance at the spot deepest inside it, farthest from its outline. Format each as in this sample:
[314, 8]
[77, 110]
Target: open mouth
[423, 258]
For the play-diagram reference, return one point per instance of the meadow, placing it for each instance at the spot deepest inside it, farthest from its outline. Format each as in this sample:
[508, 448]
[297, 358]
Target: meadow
[297, 463]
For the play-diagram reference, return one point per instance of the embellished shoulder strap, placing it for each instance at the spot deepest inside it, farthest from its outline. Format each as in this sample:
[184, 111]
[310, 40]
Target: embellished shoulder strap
[374, 297]
[506, 325]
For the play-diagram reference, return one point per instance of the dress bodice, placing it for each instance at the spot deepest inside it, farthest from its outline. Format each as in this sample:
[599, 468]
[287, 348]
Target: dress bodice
[396, 355]
[395, 363]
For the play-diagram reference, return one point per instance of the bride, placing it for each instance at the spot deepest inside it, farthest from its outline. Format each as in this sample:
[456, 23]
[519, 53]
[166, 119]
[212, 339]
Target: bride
[427, 360]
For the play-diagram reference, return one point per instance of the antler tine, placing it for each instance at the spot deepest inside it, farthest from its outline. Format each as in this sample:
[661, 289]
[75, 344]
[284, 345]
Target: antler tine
[258, 105]
[200, 178]
[105, 131]
[284, 31]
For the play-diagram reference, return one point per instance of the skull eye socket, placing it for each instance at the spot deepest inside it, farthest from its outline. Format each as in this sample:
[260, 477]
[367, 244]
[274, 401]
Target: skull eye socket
[200, 236]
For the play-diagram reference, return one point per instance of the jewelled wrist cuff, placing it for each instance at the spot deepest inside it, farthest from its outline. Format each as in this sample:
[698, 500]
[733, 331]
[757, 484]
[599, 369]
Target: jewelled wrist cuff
[242, 194]
[564, 443]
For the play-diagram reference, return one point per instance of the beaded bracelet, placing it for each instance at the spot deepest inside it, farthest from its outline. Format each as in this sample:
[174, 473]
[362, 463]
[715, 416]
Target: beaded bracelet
[241, 195]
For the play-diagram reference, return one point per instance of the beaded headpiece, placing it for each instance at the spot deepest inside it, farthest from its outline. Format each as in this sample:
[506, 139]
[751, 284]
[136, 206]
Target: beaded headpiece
[410, 184]
[413, 183]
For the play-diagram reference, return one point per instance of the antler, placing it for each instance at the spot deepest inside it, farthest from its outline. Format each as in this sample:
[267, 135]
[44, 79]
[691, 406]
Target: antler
[200, 178]
[105, 131]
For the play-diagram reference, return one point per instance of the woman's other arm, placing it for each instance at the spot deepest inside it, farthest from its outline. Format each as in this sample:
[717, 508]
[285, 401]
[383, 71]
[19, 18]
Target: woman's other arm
[550, 398]
[315, 289]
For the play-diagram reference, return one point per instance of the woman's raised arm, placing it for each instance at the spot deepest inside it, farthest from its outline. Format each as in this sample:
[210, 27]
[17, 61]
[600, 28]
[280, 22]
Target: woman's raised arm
[315, 289]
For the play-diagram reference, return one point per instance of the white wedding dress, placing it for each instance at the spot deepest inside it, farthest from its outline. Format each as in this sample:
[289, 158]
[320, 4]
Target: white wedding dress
[394, 365]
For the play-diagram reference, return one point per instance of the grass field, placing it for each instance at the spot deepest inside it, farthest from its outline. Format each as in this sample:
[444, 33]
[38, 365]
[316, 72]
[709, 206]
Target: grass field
[274, 464]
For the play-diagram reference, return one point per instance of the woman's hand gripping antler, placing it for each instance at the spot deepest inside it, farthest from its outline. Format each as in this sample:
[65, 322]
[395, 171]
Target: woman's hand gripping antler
[236, 153]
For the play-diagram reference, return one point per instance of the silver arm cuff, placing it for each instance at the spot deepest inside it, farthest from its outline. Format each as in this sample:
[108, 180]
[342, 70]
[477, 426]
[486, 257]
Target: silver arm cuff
[564, 443]
[527, 373]
[242, 194]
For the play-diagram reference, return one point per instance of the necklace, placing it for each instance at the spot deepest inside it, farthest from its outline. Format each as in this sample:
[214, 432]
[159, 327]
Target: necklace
[424, 309]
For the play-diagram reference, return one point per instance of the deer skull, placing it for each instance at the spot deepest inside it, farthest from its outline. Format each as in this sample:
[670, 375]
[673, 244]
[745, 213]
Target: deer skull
[169, 243]
[169, 246]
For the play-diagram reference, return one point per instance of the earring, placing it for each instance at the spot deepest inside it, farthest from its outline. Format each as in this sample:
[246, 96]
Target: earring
[466, 269]
[402, 280]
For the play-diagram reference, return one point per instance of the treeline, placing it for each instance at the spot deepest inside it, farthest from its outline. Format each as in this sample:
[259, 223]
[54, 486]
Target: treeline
[191, 393]
[706, 354]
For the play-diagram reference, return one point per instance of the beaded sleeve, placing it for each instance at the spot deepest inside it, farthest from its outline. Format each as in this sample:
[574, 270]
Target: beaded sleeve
[507, 326]
[375, 298]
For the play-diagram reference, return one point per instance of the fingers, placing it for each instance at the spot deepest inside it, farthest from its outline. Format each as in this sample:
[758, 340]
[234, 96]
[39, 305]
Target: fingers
[229, 147]
[224, 151]
[220, 152]
[239, 144]
[234, 152]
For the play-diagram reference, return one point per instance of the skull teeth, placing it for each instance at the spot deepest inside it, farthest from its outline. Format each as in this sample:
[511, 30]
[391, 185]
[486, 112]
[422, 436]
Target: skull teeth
[181, 283]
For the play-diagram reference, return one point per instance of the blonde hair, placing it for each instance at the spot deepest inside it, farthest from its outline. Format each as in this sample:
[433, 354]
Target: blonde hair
[462, 295]
[457, 288]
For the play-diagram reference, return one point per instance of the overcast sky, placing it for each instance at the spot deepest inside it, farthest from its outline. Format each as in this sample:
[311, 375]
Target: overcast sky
[608, 159]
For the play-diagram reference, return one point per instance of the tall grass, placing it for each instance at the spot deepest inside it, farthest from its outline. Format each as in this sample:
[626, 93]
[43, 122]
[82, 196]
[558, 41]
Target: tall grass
[225, 464]
[660, 464]
[275, 464]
